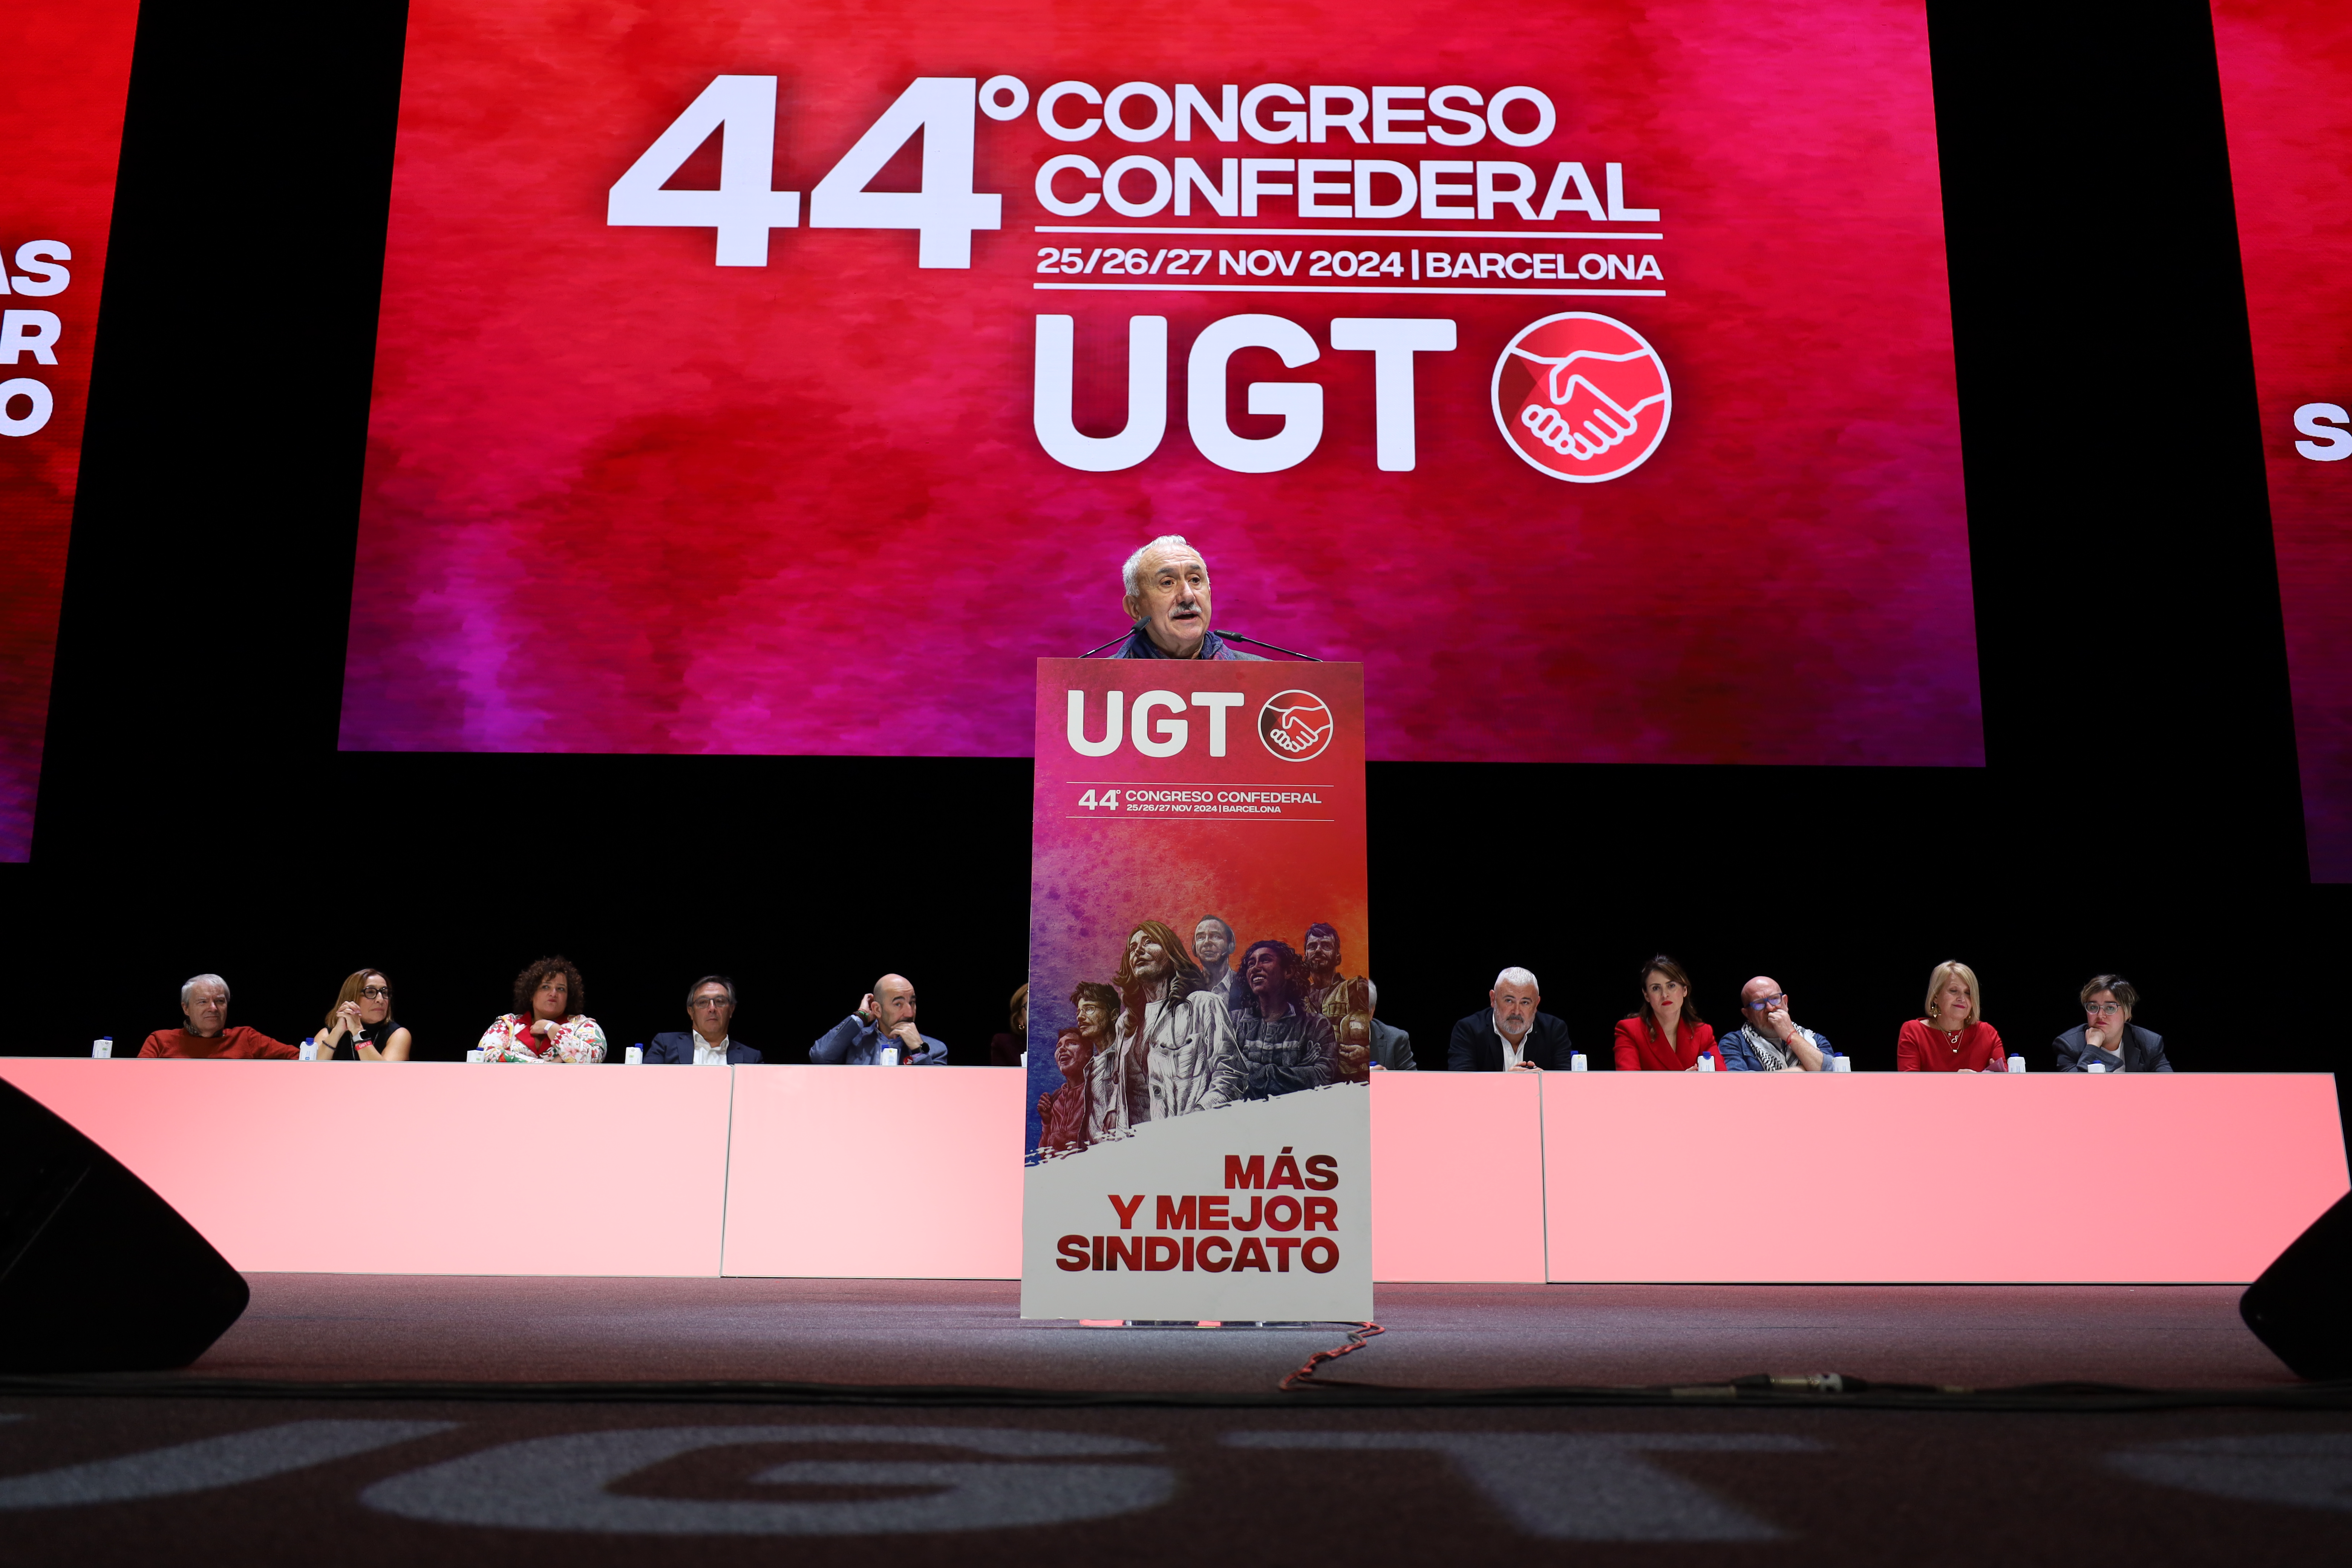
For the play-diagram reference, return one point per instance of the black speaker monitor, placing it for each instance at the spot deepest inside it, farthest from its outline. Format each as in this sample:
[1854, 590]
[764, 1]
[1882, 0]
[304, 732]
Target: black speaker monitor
[97, 1272]
[2301, 1304]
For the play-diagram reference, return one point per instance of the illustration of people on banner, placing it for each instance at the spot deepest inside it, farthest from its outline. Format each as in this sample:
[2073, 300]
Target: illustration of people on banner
[1175, 1031]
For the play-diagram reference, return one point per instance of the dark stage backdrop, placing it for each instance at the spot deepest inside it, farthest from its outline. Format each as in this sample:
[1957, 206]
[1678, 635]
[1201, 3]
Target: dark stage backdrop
[2139, 810]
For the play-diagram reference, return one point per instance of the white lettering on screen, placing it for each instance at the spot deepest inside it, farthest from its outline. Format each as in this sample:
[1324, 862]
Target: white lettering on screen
[1274, 112]
[2324, 422]
[1393, 342]
[945, 211]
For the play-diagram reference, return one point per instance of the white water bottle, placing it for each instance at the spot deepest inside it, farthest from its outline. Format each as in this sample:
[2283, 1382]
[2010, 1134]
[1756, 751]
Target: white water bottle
[475, 1055]
[307, 1051]
[635, 1057]
[1841, 1063]
[2098, 1066]
[1576, 1062]
[101, 1048]
[1706, 1063]
[887, 1057]
[2016, 1062]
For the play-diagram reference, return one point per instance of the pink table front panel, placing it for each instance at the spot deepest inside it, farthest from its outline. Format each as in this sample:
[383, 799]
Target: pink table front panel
[1906, 1178]
[452, 1169]
[1457, 1177]
[427, 1168]
[842, 1172]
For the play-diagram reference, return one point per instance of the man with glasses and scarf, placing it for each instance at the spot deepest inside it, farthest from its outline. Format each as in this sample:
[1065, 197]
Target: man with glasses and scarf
[1767, 1040]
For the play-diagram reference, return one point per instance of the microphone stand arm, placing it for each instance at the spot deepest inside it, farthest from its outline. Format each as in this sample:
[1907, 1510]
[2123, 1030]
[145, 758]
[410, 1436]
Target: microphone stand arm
[1229, 636]
[1121, 638]
[1236, 637]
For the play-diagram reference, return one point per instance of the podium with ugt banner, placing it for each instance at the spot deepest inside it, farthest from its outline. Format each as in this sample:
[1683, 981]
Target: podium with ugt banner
[1197, 1124]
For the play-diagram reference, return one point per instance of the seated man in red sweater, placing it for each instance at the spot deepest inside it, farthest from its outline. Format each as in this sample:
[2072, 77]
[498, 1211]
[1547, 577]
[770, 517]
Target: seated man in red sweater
[205, 1000]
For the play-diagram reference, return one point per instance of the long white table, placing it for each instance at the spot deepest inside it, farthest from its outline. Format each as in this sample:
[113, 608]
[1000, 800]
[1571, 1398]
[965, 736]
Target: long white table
[445, 1168]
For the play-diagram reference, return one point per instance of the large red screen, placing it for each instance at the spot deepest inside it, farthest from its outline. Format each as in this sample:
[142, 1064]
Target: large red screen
[69, 67]
[787, 379]
[2286, 88]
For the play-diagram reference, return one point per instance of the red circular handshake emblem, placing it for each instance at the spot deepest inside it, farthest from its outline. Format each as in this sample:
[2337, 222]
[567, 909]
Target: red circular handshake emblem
[1582, 397]
[1295, 725]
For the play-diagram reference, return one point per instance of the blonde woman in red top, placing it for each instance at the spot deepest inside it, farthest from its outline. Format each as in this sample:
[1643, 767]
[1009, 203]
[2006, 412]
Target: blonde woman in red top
[1953, 1037]
[1667, 1016]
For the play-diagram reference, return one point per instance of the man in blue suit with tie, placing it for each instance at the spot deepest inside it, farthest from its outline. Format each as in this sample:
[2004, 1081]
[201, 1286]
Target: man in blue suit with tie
[710, 1007]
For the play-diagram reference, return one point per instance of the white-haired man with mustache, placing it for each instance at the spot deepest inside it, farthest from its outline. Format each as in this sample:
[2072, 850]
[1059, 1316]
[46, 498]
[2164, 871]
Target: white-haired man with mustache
[1168, 599]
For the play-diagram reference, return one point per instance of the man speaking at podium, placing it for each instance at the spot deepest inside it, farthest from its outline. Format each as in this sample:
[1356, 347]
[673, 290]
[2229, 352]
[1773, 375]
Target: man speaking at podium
[1168, 599]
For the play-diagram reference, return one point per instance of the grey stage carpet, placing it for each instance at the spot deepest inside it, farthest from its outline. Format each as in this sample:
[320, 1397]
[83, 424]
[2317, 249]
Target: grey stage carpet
[279, 1480]
[968, 1332]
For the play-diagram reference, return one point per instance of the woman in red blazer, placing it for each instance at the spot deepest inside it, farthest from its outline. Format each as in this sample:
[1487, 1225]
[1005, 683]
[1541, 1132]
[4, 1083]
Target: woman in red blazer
[1666, 1014]
[1953, 1037]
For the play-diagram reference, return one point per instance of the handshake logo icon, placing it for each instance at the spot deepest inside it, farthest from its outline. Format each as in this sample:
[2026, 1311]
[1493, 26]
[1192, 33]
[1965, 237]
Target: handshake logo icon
[1295, 725]
[1582, 397]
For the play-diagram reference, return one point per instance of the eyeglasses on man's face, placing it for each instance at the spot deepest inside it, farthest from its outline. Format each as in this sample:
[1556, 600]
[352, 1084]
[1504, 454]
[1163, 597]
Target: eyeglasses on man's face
[708, 1002]
[1764, 1003]
[376, 992]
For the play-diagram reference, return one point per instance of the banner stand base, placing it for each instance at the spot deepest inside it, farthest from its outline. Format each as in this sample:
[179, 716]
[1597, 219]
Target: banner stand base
[1204, 1323]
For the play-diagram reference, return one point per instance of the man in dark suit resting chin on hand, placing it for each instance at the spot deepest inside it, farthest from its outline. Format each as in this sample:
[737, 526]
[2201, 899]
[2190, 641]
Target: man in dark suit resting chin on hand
[885, 1021]
[1509, 1035]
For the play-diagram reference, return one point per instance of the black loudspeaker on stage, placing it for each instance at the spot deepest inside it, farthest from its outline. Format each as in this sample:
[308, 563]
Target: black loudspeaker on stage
[2302, 1305]
[97, 1273]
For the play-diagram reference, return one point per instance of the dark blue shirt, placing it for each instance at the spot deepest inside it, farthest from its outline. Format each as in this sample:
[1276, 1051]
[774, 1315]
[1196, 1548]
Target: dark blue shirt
[1139, 645]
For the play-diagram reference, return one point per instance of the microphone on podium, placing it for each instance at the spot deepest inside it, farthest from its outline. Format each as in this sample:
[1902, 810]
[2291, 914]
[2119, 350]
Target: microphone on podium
[1224, 636]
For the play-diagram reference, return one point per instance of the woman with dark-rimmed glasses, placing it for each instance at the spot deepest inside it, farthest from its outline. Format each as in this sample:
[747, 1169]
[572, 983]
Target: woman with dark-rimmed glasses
[360, 1025]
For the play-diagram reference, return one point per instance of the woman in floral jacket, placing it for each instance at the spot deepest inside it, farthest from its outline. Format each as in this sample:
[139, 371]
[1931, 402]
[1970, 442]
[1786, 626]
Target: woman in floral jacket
[547, 1024]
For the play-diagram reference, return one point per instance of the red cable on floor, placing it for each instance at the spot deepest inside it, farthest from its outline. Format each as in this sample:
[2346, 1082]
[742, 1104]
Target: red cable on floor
[1355, 1338]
